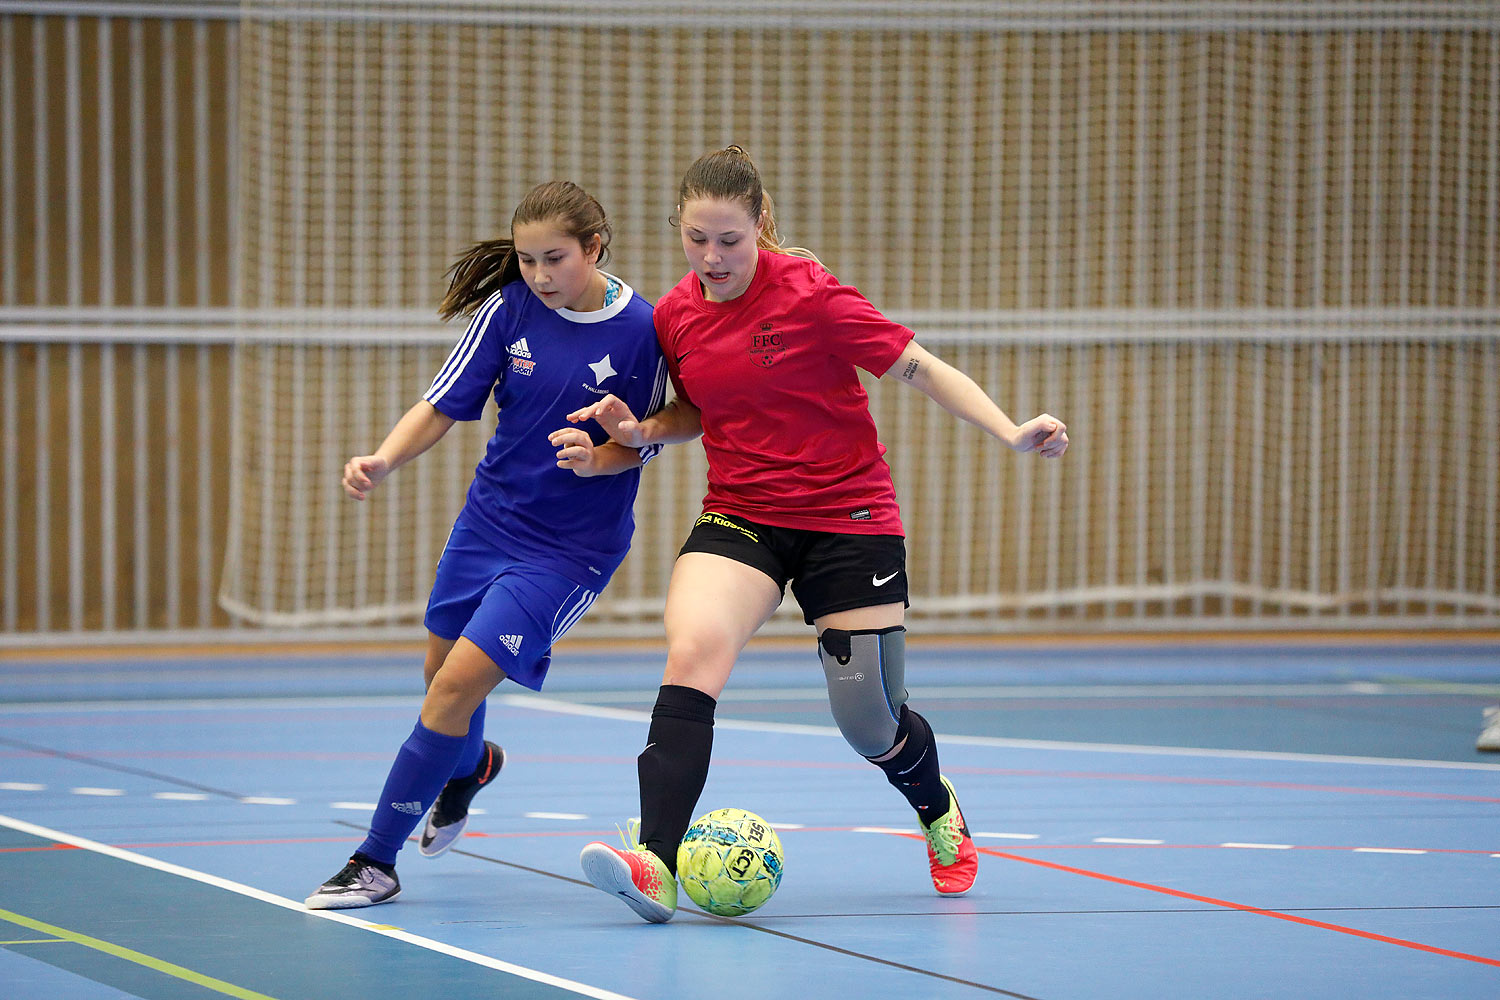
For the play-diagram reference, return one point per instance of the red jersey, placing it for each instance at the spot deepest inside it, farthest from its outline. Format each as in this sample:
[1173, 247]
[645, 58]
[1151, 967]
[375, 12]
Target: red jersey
[786, 423]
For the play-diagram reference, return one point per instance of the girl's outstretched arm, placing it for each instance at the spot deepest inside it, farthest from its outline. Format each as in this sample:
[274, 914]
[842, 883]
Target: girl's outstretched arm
[961, 396]
[418, 429]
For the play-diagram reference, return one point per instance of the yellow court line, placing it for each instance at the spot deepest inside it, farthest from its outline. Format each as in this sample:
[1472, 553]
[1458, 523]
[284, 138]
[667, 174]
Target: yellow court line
[139, 958]
[51, 940]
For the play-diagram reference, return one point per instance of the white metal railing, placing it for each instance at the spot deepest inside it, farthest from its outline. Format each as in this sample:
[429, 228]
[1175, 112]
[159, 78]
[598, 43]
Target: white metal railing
[63, 325]
[833, 15]
[1254, 543]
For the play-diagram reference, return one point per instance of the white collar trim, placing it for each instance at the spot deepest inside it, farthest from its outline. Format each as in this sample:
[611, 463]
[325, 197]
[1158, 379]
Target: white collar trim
[600, 315]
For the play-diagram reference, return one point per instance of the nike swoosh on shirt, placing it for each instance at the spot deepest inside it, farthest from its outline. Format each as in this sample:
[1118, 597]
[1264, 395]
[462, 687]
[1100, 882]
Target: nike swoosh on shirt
[880, 581]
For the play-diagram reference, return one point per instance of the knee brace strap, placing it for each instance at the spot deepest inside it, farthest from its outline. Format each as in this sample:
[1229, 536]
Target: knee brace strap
[866, 674]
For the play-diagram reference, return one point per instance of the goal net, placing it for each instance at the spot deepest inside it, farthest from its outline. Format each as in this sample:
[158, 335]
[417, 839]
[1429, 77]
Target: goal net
[1248, 252]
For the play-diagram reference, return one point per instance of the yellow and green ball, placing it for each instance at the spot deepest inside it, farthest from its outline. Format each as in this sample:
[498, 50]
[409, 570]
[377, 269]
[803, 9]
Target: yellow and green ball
[729, 862]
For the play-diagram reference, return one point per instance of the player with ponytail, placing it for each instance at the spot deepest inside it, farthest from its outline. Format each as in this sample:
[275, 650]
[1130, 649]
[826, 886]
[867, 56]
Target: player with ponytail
[548, 517]
[765, 343]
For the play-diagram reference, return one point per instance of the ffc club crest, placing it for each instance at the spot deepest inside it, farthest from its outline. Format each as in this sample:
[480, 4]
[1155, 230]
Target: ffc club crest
[766, 346]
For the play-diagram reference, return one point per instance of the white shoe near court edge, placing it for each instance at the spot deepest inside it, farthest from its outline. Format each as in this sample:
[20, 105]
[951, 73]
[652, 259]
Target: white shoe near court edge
[1489, 736]
[359, 883]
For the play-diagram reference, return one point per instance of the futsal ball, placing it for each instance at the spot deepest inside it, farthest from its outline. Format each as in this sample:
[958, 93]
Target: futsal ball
[729, 862]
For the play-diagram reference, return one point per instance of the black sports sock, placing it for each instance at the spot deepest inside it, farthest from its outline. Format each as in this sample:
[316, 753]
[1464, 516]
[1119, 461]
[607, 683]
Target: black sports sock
[365, 859]
[914, 770]
[674, 767]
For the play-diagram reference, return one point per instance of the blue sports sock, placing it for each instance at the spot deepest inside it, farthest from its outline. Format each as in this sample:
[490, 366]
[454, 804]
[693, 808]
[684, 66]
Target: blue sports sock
[421, 768]
[473, 751]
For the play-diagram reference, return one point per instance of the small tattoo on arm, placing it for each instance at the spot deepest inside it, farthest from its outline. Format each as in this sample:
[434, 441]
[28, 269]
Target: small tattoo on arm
[911, 370]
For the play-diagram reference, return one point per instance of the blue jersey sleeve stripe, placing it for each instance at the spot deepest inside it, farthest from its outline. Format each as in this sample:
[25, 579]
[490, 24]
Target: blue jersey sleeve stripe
[658, 388]
[474, 326]
[463, 350]
[658, 400]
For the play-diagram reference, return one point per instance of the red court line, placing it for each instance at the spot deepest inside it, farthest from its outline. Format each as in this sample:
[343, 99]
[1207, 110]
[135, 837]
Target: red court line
[595, 834]
[48, 847]
[351, 838]
[238, 843]
[202, 755]
[1242, 907]
[1222, 847]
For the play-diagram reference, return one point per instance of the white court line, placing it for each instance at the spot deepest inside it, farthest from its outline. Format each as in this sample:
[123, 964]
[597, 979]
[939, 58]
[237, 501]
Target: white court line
[1127, 841]
[542, 704]
[266, 897]
[808, 693]
[1259, 847]
[545, 704]
[1021, 692]
[311, 702]
[1386, 850]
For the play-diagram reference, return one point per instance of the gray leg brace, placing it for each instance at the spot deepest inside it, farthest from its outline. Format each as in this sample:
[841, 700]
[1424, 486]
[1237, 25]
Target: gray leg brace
[866, 673]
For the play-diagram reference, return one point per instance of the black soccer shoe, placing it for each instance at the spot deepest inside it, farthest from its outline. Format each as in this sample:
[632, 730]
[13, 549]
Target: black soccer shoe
[450, 813]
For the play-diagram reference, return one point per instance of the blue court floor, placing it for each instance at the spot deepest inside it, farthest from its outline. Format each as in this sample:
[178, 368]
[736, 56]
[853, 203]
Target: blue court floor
[1205, 820]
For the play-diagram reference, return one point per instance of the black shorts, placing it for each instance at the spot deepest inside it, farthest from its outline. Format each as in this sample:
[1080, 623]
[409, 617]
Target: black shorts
[828, 571]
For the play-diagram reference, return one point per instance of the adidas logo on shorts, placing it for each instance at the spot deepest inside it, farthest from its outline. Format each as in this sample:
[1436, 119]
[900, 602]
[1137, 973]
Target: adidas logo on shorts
[410, 808]
[512, 643]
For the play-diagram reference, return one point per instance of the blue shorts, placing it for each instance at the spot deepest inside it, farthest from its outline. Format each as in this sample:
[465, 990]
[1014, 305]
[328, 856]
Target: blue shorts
[513, 611]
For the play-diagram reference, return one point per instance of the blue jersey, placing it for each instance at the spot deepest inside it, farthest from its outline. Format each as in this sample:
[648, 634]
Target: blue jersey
[542, 365]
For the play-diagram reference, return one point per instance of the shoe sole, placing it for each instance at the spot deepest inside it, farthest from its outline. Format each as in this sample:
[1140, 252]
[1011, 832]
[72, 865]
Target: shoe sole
[346, 902]
[441, 839]
[607, 872]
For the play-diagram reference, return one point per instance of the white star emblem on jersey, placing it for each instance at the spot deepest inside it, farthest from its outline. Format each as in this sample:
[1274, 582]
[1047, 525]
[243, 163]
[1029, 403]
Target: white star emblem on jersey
[602, 369]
